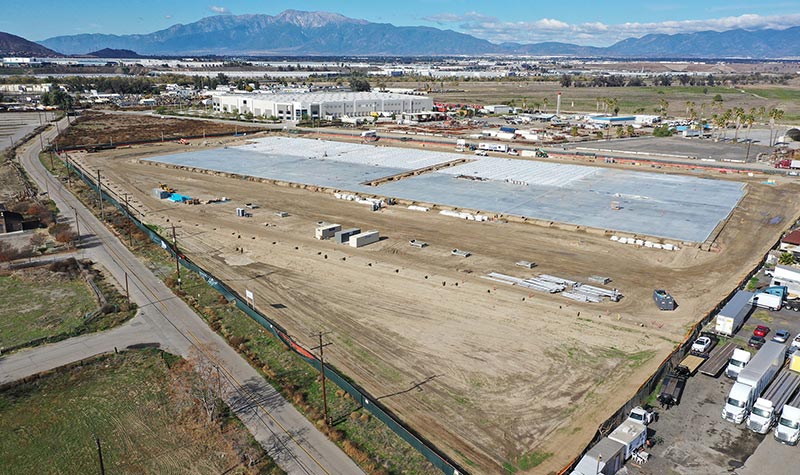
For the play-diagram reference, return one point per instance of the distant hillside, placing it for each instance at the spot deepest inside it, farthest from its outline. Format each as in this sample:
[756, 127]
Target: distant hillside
[13, 45]
[114, 53]
[321, 33]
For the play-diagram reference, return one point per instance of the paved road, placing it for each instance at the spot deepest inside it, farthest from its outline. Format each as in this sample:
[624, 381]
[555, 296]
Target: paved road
[295, 444]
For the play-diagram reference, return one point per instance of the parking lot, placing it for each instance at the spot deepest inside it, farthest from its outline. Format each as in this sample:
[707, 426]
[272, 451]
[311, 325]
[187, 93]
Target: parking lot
[692, 437]
[679, 146]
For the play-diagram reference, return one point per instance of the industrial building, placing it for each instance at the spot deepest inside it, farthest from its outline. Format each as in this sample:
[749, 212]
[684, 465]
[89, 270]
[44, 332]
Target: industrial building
[325, 105]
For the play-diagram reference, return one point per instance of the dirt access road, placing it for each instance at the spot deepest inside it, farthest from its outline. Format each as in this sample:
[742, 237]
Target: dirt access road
[492, 374]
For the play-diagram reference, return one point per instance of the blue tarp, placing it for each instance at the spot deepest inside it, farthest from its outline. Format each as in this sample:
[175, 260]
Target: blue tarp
[178, 198]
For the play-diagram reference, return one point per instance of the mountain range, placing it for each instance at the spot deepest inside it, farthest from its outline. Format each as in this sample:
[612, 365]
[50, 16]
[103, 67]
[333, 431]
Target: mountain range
[13, 45]
[295, 32]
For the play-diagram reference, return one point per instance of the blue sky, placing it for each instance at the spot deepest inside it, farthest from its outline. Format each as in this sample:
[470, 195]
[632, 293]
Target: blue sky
[592, 22]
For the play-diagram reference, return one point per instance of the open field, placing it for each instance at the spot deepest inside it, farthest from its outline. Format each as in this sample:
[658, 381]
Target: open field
[584, 99]
[130, 403]
[495, 375]
[92, 128]
[54, 302]
[36, 303]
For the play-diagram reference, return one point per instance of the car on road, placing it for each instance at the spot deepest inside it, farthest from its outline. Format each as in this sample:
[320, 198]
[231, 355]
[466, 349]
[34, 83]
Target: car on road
[701, 345]
[781, 336]
[756, 342]
[761, 331]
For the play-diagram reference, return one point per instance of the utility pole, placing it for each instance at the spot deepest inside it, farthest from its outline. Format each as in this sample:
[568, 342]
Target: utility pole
[66, 162]
[128, 215]
[127, 292]
[177, 259]
[322, 370]
[77, 225]
[100, 455]
[100, 197]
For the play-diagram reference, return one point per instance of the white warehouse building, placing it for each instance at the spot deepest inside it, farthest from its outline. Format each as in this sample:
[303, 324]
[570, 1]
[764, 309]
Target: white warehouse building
[292, 106]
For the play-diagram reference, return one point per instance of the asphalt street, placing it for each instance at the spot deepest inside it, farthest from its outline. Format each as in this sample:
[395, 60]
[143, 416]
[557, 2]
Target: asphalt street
[295, 444]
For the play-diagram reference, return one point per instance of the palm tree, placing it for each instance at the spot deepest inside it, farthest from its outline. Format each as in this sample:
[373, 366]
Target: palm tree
[663, 106]
[787, 259]
[689, 106]
[545, 101]
[774, 115]
[738, 114]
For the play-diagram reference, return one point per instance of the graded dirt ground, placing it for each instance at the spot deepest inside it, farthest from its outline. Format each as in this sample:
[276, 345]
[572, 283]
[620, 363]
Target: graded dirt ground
[497, 376]
[93, 128]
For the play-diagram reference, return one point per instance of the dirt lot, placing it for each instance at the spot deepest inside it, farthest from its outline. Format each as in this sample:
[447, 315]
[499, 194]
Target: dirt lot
[585, 99]
[494, 375]
[92, 128]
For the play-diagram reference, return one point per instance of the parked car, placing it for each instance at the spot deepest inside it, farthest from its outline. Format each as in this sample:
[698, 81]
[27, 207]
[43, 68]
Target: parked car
[701, 345]
[761, 331]
[756, 342]
[781, 336]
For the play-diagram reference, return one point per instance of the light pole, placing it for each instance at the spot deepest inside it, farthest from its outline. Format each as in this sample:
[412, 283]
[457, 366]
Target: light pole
[599, 459]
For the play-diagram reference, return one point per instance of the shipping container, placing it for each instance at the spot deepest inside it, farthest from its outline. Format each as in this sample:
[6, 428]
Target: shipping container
[344, 235]
[363, 239]
[327, 231]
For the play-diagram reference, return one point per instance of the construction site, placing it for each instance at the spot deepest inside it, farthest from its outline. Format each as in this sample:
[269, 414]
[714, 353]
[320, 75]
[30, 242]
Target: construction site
[501, 307]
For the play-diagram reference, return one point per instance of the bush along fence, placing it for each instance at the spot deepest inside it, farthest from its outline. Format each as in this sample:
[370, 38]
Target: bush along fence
[361, 396]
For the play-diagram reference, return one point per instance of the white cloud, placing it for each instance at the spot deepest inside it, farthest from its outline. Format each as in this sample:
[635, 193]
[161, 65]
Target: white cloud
[219, 10]
[168, 17]
[597, 33]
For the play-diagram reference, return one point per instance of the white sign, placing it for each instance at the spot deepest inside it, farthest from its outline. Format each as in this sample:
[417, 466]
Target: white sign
[248, 294]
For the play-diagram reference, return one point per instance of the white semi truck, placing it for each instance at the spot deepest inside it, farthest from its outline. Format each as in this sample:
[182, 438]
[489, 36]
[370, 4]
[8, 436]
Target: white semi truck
[767, 409]
[738, 361]
[753, 380]
[788, 429]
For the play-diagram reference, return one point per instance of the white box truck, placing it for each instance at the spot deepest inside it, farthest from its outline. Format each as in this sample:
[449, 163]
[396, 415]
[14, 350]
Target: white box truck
[734, 313]
[768, 407]
[768, 301]
[753, 380]
[738, 361]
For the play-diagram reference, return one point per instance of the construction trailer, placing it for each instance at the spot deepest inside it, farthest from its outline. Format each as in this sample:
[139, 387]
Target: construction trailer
[734, 313]
[631, 434]
[363, 239]
[417, 243]
[343, 236]
[607, 457]
[327, 231]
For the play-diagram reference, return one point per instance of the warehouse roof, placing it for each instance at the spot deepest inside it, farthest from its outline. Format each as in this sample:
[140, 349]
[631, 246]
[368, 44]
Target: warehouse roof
[309, 97]
[792, 238]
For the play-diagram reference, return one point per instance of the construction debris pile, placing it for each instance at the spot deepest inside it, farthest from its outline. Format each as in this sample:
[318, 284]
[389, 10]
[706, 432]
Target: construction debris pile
[551, 284]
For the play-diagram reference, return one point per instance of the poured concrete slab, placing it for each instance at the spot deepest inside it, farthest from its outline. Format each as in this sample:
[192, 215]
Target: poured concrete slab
[670, 206]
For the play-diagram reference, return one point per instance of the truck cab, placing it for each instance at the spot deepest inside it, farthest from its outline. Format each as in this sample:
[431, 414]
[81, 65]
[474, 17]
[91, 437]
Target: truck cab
[788, 428]
[738, 402]
[739, 360]
[642, 415]
[761, 416]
